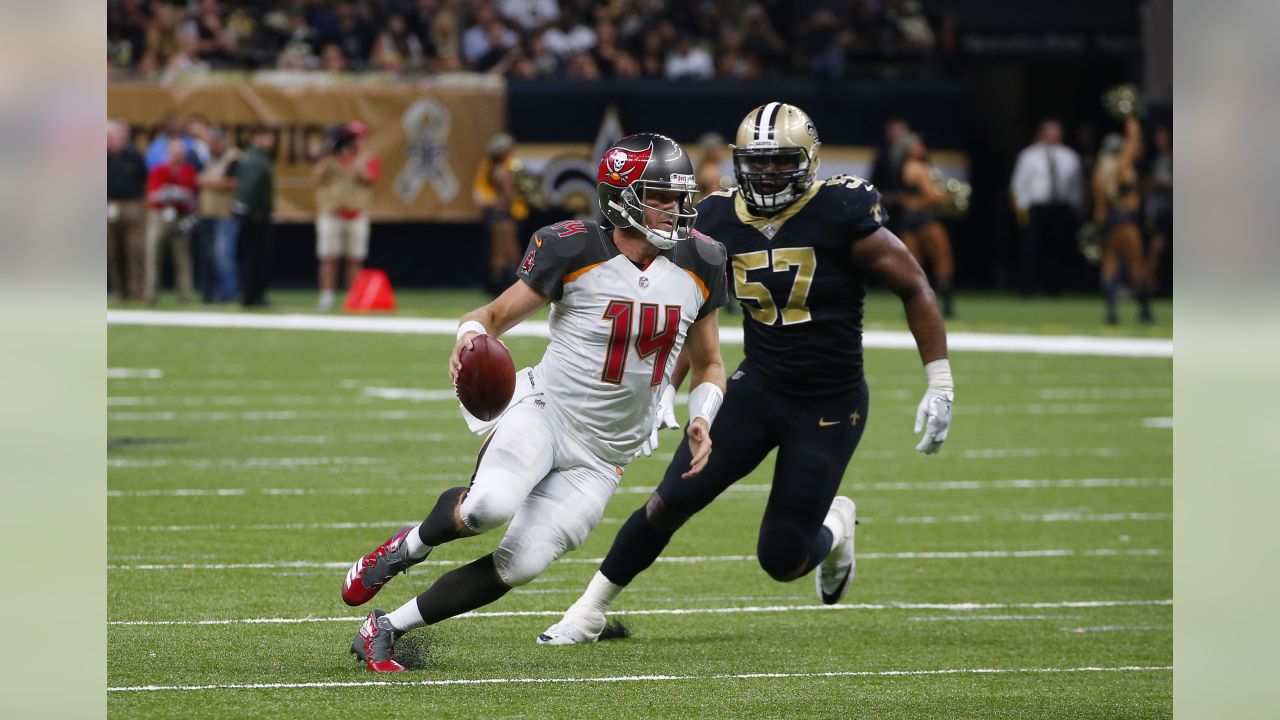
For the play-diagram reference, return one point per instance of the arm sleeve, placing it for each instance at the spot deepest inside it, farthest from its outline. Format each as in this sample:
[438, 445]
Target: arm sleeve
[1017, 184]
[548, 259]
[712, 270]
[865, 212]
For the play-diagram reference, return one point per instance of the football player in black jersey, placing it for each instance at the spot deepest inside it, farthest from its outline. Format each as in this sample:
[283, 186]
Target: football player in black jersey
[801, 251]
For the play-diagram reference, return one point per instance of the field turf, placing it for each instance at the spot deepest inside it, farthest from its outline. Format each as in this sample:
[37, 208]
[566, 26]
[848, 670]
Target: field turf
[1026, 571]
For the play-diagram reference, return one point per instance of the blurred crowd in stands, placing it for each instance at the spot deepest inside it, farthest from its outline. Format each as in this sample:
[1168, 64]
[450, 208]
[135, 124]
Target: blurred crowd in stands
[577, 39]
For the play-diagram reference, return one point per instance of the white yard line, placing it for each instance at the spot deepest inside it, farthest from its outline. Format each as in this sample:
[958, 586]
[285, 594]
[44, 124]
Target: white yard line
[271, 415]
[640, 678]
[975, 342]
[1158, 422]
[134, 373]
[1115, 628]
[1017, 484]
[989, 618]
[285, 463]
[1059, 516]
[953, 607]
[688, 559]
[644, 678]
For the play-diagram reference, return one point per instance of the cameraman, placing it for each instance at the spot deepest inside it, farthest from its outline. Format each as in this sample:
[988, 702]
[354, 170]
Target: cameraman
[344, 179]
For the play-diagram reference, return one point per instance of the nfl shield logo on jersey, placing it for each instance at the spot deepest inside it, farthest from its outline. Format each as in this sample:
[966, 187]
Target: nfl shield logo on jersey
[644, 282]
[770, 230]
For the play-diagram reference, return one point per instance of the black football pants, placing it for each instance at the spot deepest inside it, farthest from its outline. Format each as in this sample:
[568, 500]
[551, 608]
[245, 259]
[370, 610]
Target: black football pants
[815, 437]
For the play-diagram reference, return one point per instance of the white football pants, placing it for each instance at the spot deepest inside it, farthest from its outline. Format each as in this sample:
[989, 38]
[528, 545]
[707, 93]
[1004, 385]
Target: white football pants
[535, 472]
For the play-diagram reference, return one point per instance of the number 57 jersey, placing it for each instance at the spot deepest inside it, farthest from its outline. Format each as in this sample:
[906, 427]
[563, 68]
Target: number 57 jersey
[800, 290]
[616, 328]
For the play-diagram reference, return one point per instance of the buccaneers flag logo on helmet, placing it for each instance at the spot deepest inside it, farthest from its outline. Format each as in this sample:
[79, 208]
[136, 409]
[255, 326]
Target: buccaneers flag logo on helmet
[619, 167]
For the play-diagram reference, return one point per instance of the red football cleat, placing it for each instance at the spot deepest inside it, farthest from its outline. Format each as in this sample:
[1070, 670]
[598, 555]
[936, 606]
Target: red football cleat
[375, 643]
[367, 576]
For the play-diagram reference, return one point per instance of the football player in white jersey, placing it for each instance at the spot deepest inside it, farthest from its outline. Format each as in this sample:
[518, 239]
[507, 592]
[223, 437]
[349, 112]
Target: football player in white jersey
[623, 303]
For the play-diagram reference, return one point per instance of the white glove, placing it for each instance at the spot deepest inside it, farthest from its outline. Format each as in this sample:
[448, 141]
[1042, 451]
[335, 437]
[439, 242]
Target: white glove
[664, 416]
[933, 415]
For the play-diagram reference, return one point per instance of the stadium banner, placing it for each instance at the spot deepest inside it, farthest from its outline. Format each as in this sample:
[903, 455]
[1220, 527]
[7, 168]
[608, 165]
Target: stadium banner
[430, 138]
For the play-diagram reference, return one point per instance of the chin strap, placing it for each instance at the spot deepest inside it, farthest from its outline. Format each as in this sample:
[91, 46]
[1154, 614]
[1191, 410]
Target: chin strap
[659, 240]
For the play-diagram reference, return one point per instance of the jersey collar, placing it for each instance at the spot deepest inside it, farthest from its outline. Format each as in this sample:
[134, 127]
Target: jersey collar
[759, 222]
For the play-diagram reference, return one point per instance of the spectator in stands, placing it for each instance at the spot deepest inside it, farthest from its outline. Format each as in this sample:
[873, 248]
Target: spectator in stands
[821, 41]
[215, 44]
[127, 24]
[354, 35]
[344, 179]
[760, 42]
[184, 62]
[163, 37]
[569, 36]
[530, 14]
[1048, 193]
[476, 39]
[447, 45]
[397, 49]
[496, 194]
[217, 274]
[626, 66]
[299, 44]
[171, 197]
[540, 61]
[606, 51]
[582, 66]
[687, 61]
[730, 62]
[252, 205]
[652, 60]
[332, 60]
[908, 25]
[126, 215]
[499, 57]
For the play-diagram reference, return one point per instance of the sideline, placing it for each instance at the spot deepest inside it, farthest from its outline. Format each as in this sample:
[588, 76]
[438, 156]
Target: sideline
[972, 342]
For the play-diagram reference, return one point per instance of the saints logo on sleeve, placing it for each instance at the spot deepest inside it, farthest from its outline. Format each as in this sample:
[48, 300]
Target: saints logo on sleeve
[616, 327]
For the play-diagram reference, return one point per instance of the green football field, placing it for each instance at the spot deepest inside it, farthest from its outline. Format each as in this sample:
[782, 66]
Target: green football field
[1026, 571]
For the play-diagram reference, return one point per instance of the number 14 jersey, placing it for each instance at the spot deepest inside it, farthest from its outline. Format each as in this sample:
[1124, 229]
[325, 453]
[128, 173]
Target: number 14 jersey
[794, 275]
[616, 328]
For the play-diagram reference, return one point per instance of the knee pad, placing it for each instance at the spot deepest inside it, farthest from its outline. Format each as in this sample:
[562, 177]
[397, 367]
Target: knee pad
[520, 560]
[483, 510]
[663, 516]
[783, 553]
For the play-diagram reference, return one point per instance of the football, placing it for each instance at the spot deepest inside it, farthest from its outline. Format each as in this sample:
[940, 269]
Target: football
[488, 378]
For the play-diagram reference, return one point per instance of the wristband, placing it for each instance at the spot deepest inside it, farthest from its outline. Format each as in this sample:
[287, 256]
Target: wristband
[471, 326]
[704, 402]
[938, 375]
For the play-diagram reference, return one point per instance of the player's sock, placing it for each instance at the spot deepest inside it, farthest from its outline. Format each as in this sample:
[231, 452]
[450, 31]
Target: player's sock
[458, 591]
[439, 527]
[635, 548]
[599, 595]
[414, 546]
[823, 544]
[407, 617]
